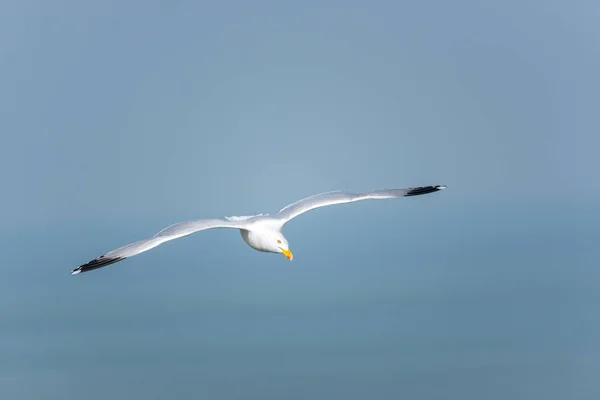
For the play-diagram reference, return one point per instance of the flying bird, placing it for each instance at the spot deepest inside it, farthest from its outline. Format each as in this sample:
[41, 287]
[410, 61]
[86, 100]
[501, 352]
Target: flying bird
[262, 232]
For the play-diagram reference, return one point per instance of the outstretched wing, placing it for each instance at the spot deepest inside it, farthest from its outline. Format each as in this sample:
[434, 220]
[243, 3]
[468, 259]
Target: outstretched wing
[172, 232]
[339, 197]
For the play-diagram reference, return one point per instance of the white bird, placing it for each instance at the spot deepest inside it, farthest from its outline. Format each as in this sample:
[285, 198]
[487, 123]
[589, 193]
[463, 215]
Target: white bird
[262, 232]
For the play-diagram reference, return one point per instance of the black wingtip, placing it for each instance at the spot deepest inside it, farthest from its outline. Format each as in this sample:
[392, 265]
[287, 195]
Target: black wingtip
[425, 190]
[96, 263]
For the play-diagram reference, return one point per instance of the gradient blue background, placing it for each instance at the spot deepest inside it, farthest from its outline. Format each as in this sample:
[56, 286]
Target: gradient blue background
[119, 118]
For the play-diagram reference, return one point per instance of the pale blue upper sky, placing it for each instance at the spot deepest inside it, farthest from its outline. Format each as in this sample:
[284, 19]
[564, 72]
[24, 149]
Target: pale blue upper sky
[121, 117]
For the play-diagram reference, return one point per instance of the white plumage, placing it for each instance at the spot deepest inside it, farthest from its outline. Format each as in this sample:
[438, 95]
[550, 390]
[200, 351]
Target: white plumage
[262, 232]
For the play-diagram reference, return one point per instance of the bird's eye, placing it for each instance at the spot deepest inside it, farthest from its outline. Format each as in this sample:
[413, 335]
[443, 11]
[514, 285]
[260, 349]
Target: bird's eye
[278, 241]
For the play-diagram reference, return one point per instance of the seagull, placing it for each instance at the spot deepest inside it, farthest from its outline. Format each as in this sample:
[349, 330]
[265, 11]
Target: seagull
[262, 232]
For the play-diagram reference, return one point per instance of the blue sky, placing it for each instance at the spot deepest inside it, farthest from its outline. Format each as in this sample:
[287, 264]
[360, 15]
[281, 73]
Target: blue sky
[119, 118]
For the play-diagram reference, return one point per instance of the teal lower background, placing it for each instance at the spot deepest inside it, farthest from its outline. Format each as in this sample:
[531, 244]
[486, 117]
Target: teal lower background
[382, 300]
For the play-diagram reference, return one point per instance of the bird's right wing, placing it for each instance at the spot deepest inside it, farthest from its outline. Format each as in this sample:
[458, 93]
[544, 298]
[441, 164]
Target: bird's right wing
[172, 232]
[339, 197]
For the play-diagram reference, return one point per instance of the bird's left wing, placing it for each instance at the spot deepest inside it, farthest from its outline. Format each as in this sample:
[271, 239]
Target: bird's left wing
[338, 197]
[172, 232]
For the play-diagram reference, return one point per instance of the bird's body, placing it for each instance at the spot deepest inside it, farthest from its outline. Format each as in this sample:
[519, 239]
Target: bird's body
[262, 232]
[258, 239]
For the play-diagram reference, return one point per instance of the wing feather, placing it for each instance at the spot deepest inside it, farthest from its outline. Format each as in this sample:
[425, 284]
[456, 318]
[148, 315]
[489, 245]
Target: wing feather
[169, 233]
[339, 197]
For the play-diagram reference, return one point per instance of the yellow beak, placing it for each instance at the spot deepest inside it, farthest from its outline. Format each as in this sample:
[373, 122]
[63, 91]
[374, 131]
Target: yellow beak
[288, 254]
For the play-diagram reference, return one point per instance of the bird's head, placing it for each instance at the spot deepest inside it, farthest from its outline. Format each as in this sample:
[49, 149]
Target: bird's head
[283, 247]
